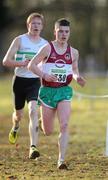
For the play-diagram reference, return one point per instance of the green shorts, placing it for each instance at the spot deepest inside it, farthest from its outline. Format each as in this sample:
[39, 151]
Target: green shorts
[51, 96]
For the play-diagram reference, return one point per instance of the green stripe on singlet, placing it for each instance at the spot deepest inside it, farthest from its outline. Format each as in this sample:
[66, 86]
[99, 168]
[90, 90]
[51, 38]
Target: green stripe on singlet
[22, 52]
[20, 55]
[18, 59]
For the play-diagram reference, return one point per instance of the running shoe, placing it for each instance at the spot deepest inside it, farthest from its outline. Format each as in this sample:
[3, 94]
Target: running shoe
[13, 136]
[34, 153]
[62, 165]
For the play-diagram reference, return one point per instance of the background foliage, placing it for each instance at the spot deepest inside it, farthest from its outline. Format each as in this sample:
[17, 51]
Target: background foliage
[89, 31]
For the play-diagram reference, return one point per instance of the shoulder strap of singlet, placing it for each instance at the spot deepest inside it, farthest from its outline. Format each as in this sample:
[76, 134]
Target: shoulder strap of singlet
[52, 47]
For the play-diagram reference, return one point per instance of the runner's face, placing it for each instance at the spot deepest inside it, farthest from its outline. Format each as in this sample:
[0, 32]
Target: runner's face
[62, 33]
[35, 26]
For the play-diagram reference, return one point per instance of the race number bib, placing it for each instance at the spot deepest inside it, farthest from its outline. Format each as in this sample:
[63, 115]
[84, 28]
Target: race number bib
[60, 74]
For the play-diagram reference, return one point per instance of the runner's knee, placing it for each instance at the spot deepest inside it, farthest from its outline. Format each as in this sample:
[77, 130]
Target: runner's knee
[47, 131]
[32, 110]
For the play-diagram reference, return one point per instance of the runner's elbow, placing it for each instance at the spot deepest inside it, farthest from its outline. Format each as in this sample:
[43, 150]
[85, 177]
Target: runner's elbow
[4, 62]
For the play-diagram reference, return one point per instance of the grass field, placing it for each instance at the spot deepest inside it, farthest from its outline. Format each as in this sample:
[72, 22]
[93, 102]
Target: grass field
[86, 152]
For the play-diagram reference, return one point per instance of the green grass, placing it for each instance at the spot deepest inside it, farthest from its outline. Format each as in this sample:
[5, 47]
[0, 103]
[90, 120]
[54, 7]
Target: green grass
[86, 152]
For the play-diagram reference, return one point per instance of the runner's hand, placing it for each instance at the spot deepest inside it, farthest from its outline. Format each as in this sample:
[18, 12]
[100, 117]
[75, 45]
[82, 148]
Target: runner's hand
[25, 63]
[50, 78]
[81, 81]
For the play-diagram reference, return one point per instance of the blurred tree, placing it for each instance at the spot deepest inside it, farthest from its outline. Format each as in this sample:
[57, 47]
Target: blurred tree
[3, 22]
[3, 14]
[89, 24]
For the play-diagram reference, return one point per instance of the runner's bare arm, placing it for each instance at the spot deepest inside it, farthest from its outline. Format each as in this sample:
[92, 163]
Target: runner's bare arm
[80, 80]
[9, 59]
[41, 56]
[75, 55]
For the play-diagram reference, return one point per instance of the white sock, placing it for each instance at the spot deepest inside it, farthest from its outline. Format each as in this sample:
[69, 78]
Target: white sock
[15, 129]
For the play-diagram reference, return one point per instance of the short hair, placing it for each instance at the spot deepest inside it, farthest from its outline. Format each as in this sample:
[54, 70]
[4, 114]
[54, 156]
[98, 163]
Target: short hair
[62, 22]
[35, 15]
